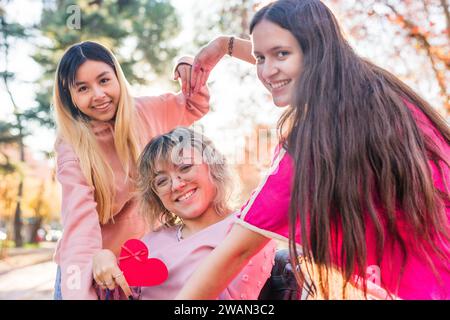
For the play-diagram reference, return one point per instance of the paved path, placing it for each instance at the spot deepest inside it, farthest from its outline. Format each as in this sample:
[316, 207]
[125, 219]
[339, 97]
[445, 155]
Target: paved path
[16, 258]
[29, 283]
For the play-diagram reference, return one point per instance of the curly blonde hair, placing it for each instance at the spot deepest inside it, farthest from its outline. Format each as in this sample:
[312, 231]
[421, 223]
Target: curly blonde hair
[168, 148]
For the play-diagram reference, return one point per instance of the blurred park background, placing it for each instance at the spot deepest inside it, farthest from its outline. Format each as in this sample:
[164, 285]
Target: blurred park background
[410, 38]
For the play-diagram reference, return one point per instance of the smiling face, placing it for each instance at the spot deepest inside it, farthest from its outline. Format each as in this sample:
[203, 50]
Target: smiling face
[96, 90]
[278, 59]
[186, 189]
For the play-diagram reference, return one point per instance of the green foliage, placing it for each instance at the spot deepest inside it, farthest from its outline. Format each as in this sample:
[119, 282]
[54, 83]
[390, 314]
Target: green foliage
[7, 137]
[139, 32]
[7, 29]
[6, 134]
[222, 17]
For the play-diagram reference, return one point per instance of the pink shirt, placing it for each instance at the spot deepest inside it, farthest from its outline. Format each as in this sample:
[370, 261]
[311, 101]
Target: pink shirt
[183, 256]
[83, 236]
[418, 281]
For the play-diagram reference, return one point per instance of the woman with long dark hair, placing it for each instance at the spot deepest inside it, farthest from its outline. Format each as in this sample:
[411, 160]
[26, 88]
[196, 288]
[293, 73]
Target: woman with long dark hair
[361, 178]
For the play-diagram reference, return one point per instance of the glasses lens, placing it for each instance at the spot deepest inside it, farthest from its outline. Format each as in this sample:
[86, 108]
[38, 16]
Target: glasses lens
[161, 184]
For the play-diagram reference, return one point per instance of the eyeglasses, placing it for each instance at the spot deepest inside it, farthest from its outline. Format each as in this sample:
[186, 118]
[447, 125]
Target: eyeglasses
[163, 182]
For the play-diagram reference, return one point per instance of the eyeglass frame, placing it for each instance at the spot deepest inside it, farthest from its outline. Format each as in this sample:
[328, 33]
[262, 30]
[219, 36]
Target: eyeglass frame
[180, 175]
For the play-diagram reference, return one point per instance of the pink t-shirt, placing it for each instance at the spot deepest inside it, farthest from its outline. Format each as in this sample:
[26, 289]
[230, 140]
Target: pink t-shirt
[418, 281]
[183, 256]
[83, 235]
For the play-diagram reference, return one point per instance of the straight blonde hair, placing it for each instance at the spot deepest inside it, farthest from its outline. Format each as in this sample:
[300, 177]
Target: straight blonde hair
[74, 128]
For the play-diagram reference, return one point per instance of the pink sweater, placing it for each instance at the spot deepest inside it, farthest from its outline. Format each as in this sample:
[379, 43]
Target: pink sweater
[83, 236]
[183, 256]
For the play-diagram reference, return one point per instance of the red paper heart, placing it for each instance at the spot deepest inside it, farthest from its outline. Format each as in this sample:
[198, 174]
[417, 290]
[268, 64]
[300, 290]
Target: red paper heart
[137, 268]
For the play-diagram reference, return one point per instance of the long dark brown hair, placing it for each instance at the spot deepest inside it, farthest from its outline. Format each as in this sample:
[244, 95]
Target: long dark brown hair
[359, 155]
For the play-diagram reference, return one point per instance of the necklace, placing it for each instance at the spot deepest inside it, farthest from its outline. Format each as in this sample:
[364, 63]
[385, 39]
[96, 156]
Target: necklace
[179, 235]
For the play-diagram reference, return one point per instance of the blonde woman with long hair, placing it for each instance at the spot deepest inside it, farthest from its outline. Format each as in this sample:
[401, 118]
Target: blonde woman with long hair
[101, 130]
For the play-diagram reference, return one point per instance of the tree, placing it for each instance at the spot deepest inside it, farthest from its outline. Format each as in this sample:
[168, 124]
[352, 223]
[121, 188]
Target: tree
[8, 171]
[9, 32]
[418, 39]
[7, 138]
[41, 209]
[138, 31]
[42, 197]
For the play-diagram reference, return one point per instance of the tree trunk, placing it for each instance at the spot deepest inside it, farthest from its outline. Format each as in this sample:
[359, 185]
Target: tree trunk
[18, 214]
[18, 217]
[444, 5]
[38, 214]
[34, 230]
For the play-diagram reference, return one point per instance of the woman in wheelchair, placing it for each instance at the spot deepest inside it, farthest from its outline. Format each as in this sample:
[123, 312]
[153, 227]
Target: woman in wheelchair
[184, 185]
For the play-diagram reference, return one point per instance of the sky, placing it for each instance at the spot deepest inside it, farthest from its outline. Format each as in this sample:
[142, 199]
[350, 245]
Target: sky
[27, 71]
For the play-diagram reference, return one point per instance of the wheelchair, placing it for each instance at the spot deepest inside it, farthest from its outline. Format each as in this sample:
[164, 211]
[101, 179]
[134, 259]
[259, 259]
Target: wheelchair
[282, 284]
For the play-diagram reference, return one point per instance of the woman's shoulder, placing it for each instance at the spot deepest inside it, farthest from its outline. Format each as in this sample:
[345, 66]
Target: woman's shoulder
[419, 116]
[425, 125]
[61, 145]
[64, 151]
[219, 229]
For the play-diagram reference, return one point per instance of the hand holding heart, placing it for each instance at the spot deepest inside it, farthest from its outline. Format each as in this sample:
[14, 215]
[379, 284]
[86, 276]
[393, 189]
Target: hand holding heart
[135, 268]
[106, 272]
[138, 269]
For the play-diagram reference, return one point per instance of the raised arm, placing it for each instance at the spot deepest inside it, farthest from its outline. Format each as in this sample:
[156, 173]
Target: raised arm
[223, 264]
[165, 112]
[208, 56]
[237, 47]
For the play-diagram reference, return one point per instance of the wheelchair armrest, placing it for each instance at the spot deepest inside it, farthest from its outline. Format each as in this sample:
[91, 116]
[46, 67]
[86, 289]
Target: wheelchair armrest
[282, 284]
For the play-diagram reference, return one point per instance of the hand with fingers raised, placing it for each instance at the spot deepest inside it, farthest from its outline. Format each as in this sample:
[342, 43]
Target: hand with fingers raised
[205, 61]
[107, 273]
[182, 73]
